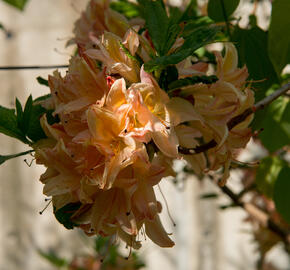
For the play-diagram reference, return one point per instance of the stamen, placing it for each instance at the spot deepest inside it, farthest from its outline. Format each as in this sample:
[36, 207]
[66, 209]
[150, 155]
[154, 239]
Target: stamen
[130, 250]
[29, 164]
[41, 212]
[247, 164]
[166, 204]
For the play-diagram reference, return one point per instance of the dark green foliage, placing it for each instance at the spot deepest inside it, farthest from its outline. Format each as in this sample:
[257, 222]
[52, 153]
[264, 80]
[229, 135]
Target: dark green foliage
[168, 75]
[19, 4]
[42, 98]
[281, 193]
[275, 122]
[221, 10]
[7, 157]
[193, 80]
[252, 49]
[163, 30]
[28, 120]
[9, 124]
[53, 258]
[157, 23]
[267, 175]
[24, 124]
[190, 12]
[209, 196]
[63, 215]
[197, 22]
[198, 38]
[279, 38]
[42, 81]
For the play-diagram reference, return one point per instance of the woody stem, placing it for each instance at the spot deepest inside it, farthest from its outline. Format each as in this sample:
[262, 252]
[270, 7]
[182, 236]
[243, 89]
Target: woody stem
[237, 119]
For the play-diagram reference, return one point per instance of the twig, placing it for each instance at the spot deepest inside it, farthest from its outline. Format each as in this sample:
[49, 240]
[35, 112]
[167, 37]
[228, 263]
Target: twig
[32, 67]
[267, 100]
[258, 214]
[236, 120]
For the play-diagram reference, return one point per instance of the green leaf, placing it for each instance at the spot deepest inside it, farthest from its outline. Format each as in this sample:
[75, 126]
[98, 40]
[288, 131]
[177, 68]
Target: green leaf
[193, 80]
[19, 4]
[30, 120]
[192, 25]
[209, 196]
[35, 131]
[19, 112]
[281, 193]
[190, 12]
[168, 75]
[276, 118]
[157, 22]
[9, 125]
[128, 9]
[279, 38]
[7, 157]
[42, 98]
[221, 10]
[27, 115]
[267, 174]
[198, 38]
[252, 50]
[63, 215]
[52, 257]
[42, 81]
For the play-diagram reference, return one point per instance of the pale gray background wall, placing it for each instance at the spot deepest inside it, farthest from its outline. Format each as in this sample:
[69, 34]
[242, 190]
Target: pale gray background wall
[206, 238]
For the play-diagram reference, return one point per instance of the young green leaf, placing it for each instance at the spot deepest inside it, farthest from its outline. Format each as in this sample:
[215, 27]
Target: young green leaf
[42, 81]
[35, 131]
[63, 215]
[7, 157]
[252, 50]
[221, 10]
[193, 80]
[198, 38]
[157, 22]
[279, 38]
[192, 25]
[27, 115]
[267, 174]
[128, 9]
[281, 193]
[41, 98]
[53, 258]
[19, 113]
[275, 117]
[168, 75]
[19, 4]
[9, 125]
[190, 12]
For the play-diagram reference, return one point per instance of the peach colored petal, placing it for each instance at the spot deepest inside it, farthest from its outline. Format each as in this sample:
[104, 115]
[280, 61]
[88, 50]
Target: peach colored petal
[157, 234]
[131, 40]
[167, 141]
[181, 110]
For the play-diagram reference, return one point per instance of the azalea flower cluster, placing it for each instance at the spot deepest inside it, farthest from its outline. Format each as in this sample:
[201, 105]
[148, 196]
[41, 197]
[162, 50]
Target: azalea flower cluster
[118, 131]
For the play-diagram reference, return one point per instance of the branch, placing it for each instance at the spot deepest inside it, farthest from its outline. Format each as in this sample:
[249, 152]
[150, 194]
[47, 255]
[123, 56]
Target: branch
[258, 214]
[32, 67]
[236, 120]
[267, 100]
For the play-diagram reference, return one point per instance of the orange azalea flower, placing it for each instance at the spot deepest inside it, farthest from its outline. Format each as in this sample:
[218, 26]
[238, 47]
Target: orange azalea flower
[75, 172]
[97, 18]
[82, 86]
[218, 104]
[114, 58]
